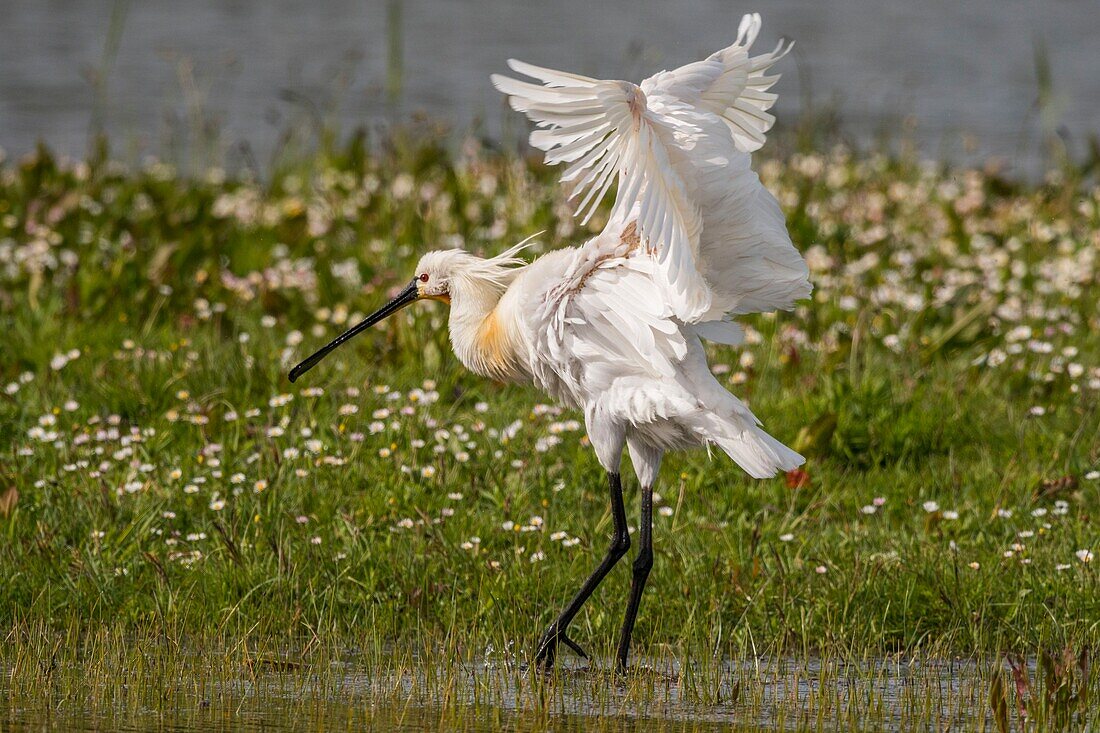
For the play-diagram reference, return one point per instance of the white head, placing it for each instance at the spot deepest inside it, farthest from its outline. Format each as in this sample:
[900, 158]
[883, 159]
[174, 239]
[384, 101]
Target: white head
[440, 275]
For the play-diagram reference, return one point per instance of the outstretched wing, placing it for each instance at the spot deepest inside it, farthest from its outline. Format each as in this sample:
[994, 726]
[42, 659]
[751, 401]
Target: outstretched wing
[606, 133]
[676, 145]
[729, 85]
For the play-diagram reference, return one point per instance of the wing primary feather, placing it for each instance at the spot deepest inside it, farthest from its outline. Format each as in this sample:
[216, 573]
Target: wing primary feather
[600, 190]
[550, 76]
[536, 92]
[593, 171]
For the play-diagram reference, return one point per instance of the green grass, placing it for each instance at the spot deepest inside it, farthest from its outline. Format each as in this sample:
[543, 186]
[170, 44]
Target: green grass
[169, 485]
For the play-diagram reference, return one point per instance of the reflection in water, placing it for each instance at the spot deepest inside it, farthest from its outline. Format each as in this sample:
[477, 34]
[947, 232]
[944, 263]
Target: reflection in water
[238, 71]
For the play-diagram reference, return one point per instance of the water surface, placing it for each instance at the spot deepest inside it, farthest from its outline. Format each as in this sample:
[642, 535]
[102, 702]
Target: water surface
[965, 73]
[488, 694]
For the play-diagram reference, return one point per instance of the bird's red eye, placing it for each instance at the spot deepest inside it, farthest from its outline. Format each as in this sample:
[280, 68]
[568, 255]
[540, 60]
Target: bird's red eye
[423, 277]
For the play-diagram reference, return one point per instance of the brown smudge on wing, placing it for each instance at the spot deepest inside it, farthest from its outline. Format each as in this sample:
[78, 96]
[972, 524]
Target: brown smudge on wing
[630, 241]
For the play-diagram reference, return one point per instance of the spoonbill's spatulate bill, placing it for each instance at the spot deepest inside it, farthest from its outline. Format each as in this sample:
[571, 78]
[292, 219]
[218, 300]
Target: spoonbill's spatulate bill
[613, 327]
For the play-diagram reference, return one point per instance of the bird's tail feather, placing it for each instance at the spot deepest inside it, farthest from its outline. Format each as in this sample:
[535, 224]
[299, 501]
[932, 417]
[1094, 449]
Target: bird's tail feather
[759, 454]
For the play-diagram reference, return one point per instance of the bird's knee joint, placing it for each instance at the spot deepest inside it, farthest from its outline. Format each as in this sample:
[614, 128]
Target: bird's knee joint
[643, 563]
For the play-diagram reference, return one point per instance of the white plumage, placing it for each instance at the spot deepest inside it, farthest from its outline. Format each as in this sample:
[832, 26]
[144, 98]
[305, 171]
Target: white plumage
[613, 326]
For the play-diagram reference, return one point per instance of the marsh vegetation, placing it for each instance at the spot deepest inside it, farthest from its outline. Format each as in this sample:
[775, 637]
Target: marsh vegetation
[188, 539]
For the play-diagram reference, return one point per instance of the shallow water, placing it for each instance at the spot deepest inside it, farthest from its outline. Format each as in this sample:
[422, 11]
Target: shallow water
[789, 694]
[965, 72]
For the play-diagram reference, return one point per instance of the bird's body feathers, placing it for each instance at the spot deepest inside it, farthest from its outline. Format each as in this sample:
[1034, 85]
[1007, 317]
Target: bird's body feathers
[586, 328]
[613, 327]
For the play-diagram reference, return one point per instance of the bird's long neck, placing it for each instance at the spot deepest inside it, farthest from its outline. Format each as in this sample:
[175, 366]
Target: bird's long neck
[484, 332]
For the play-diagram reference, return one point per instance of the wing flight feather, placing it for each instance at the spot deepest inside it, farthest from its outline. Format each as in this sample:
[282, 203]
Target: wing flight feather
[677, 147]
[605, 133]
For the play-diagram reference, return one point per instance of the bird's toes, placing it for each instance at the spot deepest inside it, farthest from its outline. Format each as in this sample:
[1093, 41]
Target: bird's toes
[548, 647]
[574, 646]
[544, 657]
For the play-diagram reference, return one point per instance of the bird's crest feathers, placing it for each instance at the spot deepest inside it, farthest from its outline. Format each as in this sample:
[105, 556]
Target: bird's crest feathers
[498, 271]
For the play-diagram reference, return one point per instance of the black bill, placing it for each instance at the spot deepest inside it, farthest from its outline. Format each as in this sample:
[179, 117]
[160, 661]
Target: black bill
[406, 296]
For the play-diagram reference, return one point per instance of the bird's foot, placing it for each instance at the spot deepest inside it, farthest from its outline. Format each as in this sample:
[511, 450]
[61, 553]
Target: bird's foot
[548, 647]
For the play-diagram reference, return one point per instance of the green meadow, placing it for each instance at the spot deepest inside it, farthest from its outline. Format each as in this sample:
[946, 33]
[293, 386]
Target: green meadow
[187, 538]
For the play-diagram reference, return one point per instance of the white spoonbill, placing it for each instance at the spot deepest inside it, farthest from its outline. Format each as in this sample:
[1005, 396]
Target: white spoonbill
[613, 327]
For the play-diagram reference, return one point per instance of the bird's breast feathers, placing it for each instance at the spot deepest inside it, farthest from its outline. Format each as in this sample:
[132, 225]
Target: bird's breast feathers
[494, 348]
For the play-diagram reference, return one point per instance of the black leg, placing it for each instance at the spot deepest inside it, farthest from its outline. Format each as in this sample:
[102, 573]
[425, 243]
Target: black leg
[642, 565]
[620, 543]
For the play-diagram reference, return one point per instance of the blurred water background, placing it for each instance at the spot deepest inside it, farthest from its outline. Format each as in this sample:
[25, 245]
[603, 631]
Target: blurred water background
[220, 81]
